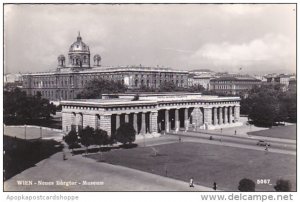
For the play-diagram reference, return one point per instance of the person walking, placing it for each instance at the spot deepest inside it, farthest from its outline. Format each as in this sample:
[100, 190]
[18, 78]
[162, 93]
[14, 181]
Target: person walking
[191, 182]
[267, 148]
[215, 186]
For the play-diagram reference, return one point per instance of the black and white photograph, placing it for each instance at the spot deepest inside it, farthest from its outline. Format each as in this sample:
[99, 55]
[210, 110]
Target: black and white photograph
[150, 97]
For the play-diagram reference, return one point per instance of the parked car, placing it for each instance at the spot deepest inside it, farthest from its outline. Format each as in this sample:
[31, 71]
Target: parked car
[263, 143]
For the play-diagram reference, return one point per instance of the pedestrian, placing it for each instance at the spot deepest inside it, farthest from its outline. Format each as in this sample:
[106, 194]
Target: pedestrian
[235, 132]
[179, 139]
[191, 182]
[215, 186]
[64, 156]
[267, 148]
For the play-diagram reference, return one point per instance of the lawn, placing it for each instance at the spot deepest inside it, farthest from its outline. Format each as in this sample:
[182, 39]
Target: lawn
[22, 154]
[286, 132]
[207, 164]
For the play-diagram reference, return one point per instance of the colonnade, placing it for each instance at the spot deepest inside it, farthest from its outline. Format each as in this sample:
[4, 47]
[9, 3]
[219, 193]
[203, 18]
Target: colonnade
[161, 120]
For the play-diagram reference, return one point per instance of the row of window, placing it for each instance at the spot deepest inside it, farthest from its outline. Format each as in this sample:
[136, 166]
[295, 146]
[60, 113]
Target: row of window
[52, 94]
[235, 82]
[66, 81]
[161, 75]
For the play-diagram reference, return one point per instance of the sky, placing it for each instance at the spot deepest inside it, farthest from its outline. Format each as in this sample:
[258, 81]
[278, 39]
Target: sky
[240, 38]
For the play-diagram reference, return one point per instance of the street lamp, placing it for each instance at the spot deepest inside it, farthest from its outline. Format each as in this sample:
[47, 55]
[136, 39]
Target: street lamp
[41, 135]
[25, 132]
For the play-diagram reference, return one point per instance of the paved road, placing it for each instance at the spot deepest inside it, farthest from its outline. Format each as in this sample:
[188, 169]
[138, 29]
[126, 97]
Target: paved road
[236, 142]
[79, 169]
[32, 132]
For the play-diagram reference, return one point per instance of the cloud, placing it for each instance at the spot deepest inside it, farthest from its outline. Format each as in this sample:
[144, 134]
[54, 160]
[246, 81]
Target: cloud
[183, 36]
[242, 9]
[269, 51]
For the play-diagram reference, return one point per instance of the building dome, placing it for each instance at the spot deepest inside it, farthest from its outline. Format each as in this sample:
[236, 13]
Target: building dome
[79, 54]
[97, 60]
[61, 60]
[97, 57]
[79, 45]
[61, 57]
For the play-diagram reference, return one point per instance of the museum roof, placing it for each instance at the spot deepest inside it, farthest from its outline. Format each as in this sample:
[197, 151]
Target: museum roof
[228, 78]
[146, 99]
[108, 69]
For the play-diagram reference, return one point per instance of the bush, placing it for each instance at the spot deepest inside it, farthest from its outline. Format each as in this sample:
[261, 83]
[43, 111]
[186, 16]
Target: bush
[100, 137]
[283, 185]
[86, 136]
[71, 139]
[125, 133]
[246, 185]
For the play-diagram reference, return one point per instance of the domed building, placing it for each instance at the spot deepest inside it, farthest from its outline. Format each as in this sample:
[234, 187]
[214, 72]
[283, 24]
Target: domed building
[75, 70]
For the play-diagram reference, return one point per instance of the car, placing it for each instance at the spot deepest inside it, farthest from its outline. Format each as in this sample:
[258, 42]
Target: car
[263, 143]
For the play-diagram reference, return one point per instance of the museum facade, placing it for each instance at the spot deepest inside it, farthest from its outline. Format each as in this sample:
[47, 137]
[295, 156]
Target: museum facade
[152, 113]
[73, 72]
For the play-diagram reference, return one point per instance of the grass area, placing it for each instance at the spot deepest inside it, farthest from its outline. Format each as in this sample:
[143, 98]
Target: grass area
[286, 132]
[207, 164]
[22, 154]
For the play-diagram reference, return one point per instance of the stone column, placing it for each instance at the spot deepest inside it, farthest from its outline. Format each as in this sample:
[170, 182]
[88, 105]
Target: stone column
[167, 124]
[207, 115]
[236, 113]
[79, 122]
[230, 115]
[135, 123]
[215, 115]
[153, 122]
[105, 122]
[97, 121]
[197, 117]
[220, 115]
[117, 121]
[126, 118]
[143, 127]
[73, 120]
[225, 115]
[149, 129]
[186, 118]
[177, 123]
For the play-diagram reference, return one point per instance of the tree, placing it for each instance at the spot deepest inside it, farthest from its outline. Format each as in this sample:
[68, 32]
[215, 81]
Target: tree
[86, 137]
[100, 137]
[125, 133]
[168, 86]
[196, 88]
[96, 87]
[283, 185]
[21, 108]
[71, 139]
[136, 97]
[269, 104]
[246, 185]
[263, 113]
